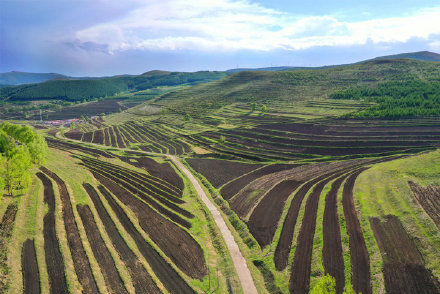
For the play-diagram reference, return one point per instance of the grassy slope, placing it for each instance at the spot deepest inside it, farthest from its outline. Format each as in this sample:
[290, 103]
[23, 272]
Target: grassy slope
[278, 89]
[384, 189]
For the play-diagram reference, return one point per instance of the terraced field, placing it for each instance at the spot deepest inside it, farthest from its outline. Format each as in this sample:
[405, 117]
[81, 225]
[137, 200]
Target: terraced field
[115, 229]
[287, 187]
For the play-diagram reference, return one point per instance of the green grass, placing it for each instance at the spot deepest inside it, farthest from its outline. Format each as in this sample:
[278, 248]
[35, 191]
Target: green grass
[384, 189]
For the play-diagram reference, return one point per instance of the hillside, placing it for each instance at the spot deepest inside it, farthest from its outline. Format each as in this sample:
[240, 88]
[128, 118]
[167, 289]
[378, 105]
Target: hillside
[18, 78]
[421, 55]
[73, 90]
[280, 89]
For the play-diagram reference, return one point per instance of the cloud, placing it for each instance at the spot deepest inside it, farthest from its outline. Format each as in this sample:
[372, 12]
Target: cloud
[228, 25]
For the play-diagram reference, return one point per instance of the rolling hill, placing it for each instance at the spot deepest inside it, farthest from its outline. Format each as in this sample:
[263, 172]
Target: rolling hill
[279, 89]
[19, 78]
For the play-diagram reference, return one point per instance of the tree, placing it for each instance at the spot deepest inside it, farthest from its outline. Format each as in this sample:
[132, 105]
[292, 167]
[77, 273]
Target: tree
[17, 176]
[325, 285]
[263, 108]
[253, 106]
[187, 117]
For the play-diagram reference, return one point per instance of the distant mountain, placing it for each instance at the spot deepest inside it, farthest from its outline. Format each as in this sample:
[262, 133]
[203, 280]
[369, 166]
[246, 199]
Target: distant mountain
[19, 78]
[421, 55]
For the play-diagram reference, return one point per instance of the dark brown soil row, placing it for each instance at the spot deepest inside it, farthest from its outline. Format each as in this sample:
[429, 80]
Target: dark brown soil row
[341, 130]
[74, 135]
[162, 171]
[360, 260]
[332, 256]
[232, 188]
[404, 268]
[148, 200]
[358, 142]
[87, 137]
[29, 265]
[98, 137]
[302, 260]
[155, 184]
[103, 256]
[164, 271]
[54, 259]
[218, 172]
[127, 135]
[429, 199]
[119, 139]
[88, 150]
[79, 256]
[330, 137]
[263, 221]
[6, 227]
[112, 137]
[142, 281]
[147, 183]
[106, 137]
[248, 144]
[174, 241]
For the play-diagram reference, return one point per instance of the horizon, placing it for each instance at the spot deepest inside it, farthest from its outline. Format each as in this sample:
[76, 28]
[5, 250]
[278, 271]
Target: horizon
[106, 38]
[256, 68]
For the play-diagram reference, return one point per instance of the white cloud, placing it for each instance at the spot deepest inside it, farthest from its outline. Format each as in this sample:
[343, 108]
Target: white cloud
[229, 25]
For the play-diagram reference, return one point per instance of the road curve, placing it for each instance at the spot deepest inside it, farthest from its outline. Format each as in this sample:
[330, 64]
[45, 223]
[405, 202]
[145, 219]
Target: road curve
[247, 283]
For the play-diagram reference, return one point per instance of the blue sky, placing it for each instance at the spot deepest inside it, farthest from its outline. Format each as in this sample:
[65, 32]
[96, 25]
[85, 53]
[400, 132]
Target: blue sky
[106, 37]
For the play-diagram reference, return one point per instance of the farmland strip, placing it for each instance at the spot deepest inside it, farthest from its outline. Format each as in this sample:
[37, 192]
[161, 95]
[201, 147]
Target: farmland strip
[119, 139]
[404, 268]
[106, 137]
[146, 183]
[232, 188]
[100, 251]
[429, 199]
[301, 267]
[263, 221]
[164, 271]
[332, 257]
[29, 265]
[79, 257]
[174, 241]
[142, 281]
[360, 260]
[6, 227]
[112, 137]
[54, 259]
[148, 201]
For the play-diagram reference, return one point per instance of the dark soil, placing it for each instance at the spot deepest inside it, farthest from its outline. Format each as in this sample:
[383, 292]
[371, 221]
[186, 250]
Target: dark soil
[218, 172]
[360, 260]
[30, 271]
[142, 281]
[332, 256]
[174, 241]
[100, 251]
[164, 271]
[79, 256]
[263, 221]
[404, 268]
[429, 199]
[54, 259]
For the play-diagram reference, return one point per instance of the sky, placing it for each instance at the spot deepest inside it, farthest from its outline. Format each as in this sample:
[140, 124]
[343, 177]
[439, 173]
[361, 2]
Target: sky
[108, 37]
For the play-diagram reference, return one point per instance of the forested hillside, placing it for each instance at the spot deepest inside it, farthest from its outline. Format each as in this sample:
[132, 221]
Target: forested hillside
[73, 90]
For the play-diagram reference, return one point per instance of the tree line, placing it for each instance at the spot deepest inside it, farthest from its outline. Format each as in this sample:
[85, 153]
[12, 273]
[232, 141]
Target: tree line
[20, 149]
[396, 99]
